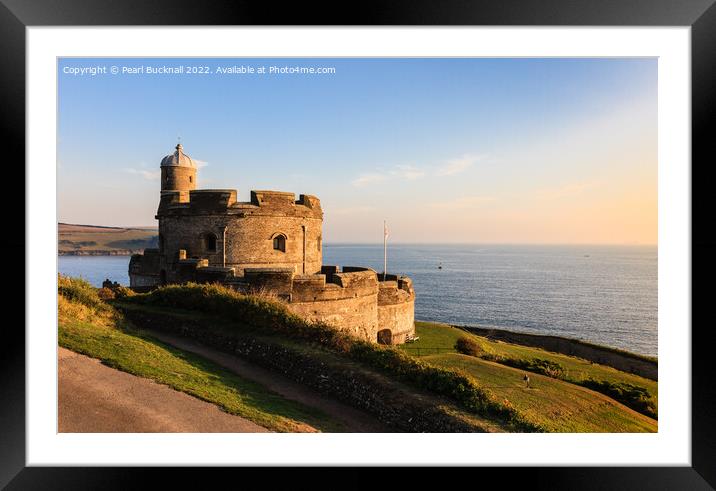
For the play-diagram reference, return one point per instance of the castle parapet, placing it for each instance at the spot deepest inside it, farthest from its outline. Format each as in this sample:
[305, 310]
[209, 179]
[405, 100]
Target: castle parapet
[214, 274]
[282, 203]
[276, 280]
[272, 198]
[309, 201]
[173, 199]
[144, 269]
[211, 200]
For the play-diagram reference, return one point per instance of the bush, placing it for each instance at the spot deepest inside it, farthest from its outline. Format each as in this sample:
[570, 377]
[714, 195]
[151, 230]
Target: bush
[121, 292]
[468, 346]
[546, 367]
[632, 396]
[536, 365]
[105, 294]
[275, 317]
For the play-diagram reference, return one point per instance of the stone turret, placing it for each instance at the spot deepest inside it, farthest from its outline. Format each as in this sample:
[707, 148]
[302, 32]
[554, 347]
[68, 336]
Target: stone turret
[178, 171]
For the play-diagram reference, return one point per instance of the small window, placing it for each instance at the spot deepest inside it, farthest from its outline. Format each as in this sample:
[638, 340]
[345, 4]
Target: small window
[279, 243]
[161, 243]
[318, 242]
[191, 179]
[209, 242]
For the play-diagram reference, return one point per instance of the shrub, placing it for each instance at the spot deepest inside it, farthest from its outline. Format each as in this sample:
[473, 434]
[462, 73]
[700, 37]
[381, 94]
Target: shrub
[632, 396]
[122, 292]
[105, 294]
[468, 346]
[546, 367]
[536, 365]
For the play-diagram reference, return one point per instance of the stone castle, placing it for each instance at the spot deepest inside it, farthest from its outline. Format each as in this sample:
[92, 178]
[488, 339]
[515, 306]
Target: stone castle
[270, 244]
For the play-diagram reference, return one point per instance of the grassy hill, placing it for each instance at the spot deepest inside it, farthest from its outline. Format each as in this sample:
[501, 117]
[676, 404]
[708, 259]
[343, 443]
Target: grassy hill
[95, 240]
[422, 386]
[556, 405]
[559, 404]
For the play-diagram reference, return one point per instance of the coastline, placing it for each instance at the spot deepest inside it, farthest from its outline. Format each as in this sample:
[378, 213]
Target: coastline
[102, 252]
[645, 366]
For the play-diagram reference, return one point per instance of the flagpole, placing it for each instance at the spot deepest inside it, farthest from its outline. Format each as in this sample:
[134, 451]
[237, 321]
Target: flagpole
[385, 249]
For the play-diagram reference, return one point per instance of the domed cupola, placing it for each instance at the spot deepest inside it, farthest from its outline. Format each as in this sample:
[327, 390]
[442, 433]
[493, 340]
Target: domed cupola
[178, 171]
[178, 158]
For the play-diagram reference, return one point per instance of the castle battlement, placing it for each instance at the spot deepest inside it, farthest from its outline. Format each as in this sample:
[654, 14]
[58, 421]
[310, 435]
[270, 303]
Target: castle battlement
[224, 201]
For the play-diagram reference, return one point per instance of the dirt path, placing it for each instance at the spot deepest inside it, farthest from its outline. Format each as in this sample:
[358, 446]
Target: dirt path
[94, 398]
[355, 421]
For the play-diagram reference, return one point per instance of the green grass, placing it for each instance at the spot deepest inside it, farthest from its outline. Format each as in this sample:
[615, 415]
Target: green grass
[556, 405]
[577, 370]
[103, 334]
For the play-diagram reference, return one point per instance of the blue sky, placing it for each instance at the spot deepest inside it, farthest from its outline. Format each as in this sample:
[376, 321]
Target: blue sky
[447, 150]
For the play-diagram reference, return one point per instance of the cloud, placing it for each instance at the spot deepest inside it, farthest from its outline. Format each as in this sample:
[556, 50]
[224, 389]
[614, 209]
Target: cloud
[200, 164]
[462, 203]
[146, 174]
[566, 191]
[455, 166]
[411, 172]
[408, 172]
[365, 179]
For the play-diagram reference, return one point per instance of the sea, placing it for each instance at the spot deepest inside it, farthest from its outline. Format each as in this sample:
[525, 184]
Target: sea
[601, 294]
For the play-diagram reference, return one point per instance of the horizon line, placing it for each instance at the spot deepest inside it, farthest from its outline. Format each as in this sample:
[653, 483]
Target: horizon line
[328, 243]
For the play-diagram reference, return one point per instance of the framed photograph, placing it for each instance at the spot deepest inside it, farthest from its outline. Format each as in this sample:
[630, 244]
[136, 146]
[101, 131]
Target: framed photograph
[454, 235]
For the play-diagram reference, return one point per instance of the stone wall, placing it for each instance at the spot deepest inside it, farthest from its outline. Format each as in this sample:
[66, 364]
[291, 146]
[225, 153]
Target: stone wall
[348, 301]
[396, 308]
[243, 233]
[144, 269]
[176, 177]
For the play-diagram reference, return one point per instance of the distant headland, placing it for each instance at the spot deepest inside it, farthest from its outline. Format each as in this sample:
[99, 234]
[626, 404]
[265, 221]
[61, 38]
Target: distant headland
[97, 240]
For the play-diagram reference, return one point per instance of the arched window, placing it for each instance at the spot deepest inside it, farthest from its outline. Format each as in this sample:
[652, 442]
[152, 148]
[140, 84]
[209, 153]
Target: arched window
[209, 240]
[318, 242]
[161, 243]
[279, 243]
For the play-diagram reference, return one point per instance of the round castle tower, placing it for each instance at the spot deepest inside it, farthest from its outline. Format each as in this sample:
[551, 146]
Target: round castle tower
[178, 171]
[200, 228]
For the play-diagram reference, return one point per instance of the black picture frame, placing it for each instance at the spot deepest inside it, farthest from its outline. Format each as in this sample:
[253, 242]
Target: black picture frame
[700, 15]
